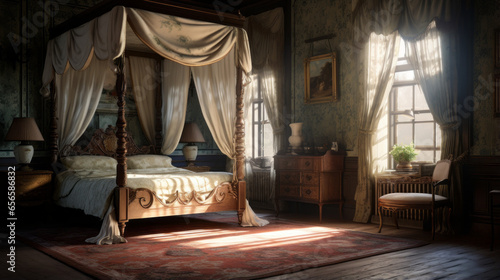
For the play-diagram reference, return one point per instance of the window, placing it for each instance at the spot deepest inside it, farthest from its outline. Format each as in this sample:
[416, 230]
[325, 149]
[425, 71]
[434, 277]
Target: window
[410, 119]
[262, 132]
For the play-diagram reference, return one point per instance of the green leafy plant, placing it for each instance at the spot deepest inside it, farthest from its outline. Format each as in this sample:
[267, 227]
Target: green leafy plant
[403, 153]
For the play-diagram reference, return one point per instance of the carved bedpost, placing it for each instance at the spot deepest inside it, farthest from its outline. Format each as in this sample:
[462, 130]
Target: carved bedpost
[53, 148]
[240, 145]
[158, 121]
[121, 192]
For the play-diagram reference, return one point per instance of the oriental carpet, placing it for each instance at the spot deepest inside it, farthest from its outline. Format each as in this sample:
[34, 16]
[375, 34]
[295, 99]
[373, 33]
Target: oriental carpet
[209, 246]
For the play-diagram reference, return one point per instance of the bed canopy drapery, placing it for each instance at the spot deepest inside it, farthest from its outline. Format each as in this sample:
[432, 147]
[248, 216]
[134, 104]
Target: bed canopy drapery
[79, 60]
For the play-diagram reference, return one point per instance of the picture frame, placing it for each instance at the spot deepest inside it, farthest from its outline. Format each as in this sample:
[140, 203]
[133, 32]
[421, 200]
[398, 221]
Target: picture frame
[497, 48]
[321, 78]
[496, 99]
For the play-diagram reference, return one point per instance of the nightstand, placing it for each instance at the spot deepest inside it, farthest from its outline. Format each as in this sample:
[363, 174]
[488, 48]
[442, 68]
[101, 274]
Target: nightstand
[196, 168]
[33, 187]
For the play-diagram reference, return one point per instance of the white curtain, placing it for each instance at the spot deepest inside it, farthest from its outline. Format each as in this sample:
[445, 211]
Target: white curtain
[175, 88]
[435, 72]
[216, 88]
[378, 62]
[103, 36]
[143, 73]
[187, 41]
[77, 99]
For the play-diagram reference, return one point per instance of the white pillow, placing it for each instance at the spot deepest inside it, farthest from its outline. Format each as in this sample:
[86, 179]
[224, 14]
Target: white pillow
[148, 161]
[89, 162]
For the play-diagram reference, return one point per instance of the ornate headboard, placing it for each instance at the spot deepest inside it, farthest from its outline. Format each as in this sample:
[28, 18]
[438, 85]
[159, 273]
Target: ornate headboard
[105, 143]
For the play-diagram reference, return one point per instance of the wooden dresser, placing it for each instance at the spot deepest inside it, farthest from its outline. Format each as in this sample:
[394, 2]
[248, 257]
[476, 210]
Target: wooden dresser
[310, 179]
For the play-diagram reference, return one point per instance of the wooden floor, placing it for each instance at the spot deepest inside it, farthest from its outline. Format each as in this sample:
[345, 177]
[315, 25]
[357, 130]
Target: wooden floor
[448, 257]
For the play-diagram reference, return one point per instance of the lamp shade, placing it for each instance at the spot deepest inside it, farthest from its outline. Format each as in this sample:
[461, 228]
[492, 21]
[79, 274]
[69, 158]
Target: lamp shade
[24, 129]
[191, 134]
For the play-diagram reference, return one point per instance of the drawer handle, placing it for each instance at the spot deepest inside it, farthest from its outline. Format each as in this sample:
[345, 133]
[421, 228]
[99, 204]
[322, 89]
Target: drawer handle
[287, 177]
[308, 192]
[287, 189]
[308, 177]
[308, 163]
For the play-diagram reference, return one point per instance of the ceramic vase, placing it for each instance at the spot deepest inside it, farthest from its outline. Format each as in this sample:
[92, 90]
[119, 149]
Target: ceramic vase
[295, 139]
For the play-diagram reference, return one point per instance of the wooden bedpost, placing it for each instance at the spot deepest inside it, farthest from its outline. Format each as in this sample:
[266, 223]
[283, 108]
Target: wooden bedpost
[53, 148]
[121, 192]
[240, 145]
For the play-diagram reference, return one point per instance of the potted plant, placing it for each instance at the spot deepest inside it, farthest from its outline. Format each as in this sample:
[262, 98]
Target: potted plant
[403, 155]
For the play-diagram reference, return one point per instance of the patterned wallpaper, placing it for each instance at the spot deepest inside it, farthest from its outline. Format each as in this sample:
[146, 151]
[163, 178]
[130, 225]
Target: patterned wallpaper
[333, 121]
[486, 129]
[338, 121]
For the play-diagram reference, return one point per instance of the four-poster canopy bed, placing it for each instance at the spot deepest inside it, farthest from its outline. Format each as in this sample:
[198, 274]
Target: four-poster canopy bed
[79, 57]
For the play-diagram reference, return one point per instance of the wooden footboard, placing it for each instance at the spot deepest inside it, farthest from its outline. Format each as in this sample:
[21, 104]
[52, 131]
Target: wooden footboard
[143, 203]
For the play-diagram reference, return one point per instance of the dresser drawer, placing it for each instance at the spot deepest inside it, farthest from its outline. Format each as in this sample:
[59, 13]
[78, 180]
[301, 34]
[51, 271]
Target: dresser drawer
[309, 164]
[309, 178]
[289, 191]
[289, 177]
[286, 163]
[309, 192]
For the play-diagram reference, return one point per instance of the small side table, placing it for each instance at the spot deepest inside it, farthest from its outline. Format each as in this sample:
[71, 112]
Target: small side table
[493, 204]
[33, 187]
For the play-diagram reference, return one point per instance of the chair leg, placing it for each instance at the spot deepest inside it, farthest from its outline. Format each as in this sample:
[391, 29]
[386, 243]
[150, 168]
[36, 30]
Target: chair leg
[380, 219]
[395, 217]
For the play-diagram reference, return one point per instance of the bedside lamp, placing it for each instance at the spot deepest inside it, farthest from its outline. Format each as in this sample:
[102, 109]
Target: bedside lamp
[24, 129]
[190, 135]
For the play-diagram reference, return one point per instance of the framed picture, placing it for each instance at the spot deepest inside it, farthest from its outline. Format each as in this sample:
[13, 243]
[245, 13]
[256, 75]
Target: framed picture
[497, 48]
[496, 99]
[321, 79]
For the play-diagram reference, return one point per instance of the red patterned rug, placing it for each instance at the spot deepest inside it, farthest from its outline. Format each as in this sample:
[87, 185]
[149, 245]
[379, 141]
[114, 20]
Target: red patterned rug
[209, 246]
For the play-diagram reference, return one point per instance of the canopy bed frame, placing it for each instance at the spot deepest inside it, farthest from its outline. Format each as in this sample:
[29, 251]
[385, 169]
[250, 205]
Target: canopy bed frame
[140, 203]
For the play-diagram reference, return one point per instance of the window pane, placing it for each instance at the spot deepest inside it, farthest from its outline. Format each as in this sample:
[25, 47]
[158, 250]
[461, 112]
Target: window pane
[424, 135]
[268, 140]
[255, 143]
[401, 118]
[420, 102]
[408, 75]
[404, 96]
[425, 156]
[404, 134]
[438, 136]
[419, 117]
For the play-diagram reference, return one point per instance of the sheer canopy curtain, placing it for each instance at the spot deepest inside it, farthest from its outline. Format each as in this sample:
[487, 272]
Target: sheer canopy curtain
[143, 73]
[78, 94]
[378, 61]
[175, 89]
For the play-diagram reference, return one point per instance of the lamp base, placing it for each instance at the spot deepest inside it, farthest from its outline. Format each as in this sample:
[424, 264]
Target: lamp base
[24, 153]
[190, 152]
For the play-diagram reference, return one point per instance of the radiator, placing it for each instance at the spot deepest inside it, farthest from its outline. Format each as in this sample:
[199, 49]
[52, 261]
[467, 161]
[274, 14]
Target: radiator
[391, 184]
[261, 188]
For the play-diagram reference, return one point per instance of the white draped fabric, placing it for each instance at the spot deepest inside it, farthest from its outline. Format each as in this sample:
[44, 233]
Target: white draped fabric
[103, 36]
[143, 73]
[381, 54]
[216, 88]
[175, 88]
[185, 41]
[75, 111]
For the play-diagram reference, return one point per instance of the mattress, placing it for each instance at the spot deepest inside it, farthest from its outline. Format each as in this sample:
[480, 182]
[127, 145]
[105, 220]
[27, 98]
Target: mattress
[91, 190]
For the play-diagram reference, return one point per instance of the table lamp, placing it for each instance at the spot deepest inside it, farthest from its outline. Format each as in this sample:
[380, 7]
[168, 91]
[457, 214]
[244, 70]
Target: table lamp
[24, 129]
[190, 135]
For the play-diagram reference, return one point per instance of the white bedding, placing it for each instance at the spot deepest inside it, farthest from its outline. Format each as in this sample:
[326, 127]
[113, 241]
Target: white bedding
[91, 191]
